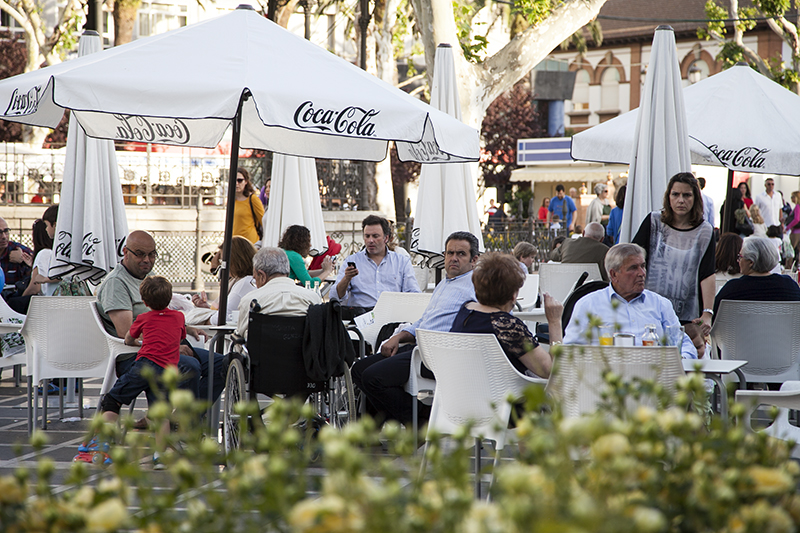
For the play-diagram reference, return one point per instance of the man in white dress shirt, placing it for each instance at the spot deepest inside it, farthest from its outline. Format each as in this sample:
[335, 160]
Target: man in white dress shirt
[770, 203]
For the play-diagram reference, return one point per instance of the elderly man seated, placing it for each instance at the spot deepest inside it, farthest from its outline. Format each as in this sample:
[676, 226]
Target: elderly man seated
[624, 303]
[277, 294]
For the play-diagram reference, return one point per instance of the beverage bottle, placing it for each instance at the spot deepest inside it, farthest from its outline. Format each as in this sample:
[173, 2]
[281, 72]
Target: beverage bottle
[650, 337]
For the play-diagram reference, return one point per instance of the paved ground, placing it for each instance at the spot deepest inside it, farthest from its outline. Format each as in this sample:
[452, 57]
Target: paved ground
[64, 436]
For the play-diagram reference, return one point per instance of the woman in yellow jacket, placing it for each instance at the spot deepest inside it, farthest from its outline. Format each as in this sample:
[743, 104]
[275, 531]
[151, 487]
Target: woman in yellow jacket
[249, 210]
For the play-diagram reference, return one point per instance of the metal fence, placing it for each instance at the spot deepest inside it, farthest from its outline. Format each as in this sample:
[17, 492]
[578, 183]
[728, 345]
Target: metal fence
[166, 179]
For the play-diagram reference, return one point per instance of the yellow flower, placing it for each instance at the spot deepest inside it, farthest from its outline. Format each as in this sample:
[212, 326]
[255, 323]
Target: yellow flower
[769, 481]
[649, 520]
[181, 399]
[108, 516]
[611, 445]
[329, 514]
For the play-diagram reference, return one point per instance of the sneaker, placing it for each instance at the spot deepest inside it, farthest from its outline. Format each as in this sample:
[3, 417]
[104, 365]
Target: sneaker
[157, 464]
[97, 458]
[92, 446]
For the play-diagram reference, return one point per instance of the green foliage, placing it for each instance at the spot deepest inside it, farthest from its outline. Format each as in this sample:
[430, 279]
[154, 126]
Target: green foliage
[648, 469]
[473, 46]
[773, 8]
[70, 35]
[535, 11]
[514, 197]
[715, 14]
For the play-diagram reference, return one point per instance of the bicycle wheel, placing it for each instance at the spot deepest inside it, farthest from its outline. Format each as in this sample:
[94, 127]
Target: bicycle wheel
[234, 392]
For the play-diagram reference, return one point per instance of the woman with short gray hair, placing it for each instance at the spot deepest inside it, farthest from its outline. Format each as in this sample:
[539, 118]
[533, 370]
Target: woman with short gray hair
[756, 260]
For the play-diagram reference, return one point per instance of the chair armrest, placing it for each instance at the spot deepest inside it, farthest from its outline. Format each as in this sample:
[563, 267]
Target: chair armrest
[786, 398]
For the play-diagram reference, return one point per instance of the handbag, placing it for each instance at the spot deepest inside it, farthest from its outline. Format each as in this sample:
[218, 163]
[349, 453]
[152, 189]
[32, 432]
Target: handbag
[72, 287]
[744, 225]
[256, 220]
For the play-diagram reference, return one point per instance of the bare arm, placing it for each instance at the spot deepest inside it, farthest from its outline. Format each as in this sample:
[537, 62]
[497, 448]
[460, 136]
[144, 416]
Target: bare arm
[707, 290]
[538, 360]
[130, 341]
[122, 320]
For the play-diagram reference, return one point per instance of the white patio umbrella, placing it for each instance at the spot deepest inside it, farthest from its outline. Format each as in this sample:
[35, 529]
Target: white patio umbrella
[446, 201]
[738, 119]
[92, 226]
[277, 91]
[660, 146]
[294, 200]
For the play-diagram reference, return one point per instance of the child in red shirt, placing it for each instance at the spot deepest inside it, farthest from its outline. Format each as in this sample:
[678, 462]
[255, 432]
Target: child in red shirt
[161, 331]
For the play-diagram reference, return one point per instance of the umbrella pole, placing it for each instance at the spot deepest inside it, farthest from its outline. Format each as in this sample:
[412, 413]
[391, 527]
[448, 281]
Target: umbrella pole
[222, 312]
[727, 212]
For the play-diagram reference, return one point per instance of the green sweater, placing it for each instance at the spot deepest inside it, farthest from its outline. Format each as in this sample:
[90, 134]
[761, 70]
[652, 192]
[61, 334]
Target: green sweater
[297, 268]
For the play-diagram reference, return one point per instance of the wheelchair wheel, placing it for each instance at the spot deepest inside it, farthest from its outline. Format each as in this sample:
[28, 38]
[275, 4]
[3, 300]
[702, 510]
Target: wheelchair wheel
[341, 401]
[234, 393]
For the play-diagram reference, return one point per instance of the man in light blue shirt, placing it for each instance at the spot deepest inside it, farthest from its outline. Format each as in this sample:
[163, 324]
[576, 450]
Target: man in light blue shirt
[375, 269]
[625, 303]
[381, 377]
[708, 203]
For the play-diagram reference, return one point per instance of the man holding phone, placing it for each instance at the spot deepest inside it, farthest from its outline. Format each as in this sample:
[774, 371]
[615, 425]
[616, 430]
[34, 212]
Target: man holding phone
[373, 270]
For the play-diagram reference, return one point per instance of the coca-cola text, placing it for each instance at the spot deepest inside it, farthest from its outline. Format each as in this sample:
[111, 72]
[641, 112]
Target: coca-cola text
[148, 129]
[24, 103]
[749, 156]
[351, 120]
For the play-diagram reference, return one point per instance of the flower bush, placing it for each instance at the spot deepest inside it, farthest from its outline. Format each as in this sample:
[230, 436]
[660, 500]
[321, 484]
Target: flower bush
[650, 470]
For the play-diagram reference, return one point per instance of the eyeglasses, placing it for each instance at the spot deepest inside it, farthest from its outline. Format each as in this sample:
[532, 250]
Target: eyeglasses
[7, 231]
[141, 255]
[240, 180]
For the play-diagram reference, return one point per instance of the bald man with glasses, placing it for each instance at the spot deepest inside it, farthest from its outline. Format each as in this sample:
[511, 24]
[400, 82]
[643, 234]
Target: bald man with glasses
[119, 303]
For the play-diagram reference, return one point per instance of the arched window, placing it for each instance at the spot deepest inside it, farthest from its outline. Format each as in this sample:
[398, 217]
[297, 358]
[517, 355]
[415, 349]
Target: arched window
[580, 95]
[609, 90]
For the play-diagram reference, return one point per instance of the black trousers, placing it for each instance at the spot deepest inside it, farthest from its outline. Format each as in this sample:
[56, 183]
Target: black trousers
[382, 379]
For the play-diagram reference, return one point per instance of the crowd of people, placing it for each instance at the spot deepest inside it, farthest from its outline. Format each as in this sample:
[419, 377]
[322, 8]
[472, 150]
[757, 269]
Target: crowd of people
[673, 275]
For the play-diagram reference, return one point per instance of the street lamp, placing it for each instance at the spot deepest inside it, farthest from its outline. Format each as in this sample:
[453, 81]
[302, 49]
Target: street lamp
[695, 73]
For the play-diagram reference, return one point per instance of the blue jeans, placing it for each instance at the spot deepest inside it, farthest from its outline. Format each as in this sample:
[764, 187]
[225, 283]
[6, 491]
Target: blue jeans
[195, 373]
[131, 384]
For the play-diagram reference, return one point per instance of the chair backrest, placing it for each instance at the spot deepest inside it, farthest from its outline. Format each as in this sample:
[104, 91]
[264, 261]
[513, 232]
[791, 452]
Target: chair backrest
[765, 334]
[559, 278]
[60, 341]
[473, 381]
[115, 347]
[529, 292]
[7, 316]
[577, 294]
[577, 383]
[275, 347]
[395, 307]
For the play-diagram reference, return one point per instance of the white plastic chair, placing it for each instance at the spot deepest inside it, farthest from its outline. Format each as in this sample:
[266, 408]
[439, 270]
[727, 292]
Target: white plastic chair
[18, 359]
[577, 378]
[61, 343]
[395, 307]
[115, 346]
[787, 399]
[419, 387]
[765, 334]
[529, 293]
[558, 279]
[474, 381]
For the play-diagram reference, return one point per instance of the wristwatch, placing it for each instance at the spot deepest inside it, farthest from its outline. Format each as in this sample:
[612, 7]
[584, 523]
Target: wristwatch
[709, 311]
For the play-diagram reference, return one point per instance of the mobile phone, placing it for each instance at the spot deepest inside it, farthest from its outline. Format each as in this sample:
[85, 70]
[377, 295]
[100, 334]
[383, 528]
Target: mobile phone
[350, 263]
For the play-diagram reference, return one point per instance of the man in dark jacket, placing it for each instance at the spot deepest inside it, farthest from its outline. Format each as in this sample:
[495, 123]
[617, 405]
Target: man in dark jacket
[589, 248]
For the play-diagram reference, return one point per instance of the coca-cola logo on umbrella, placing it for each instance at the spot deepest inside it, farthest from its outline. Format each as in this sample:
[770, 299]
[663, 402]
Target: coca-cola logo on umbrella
[746, 157]
[25, 103]
[427, 152]
[352, 120]
[149, 129]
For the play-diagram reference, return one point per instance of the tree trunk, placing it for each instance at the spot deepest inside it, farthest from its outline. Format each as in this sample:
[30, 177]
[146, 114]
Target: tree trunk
[124, 19]
[385, 15]
[480, 84]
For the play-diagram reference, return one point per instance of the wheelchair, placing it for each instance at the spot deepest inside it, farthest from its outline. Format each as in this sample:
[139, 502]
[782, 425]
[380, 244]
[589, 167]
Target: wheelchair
[271, 363]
